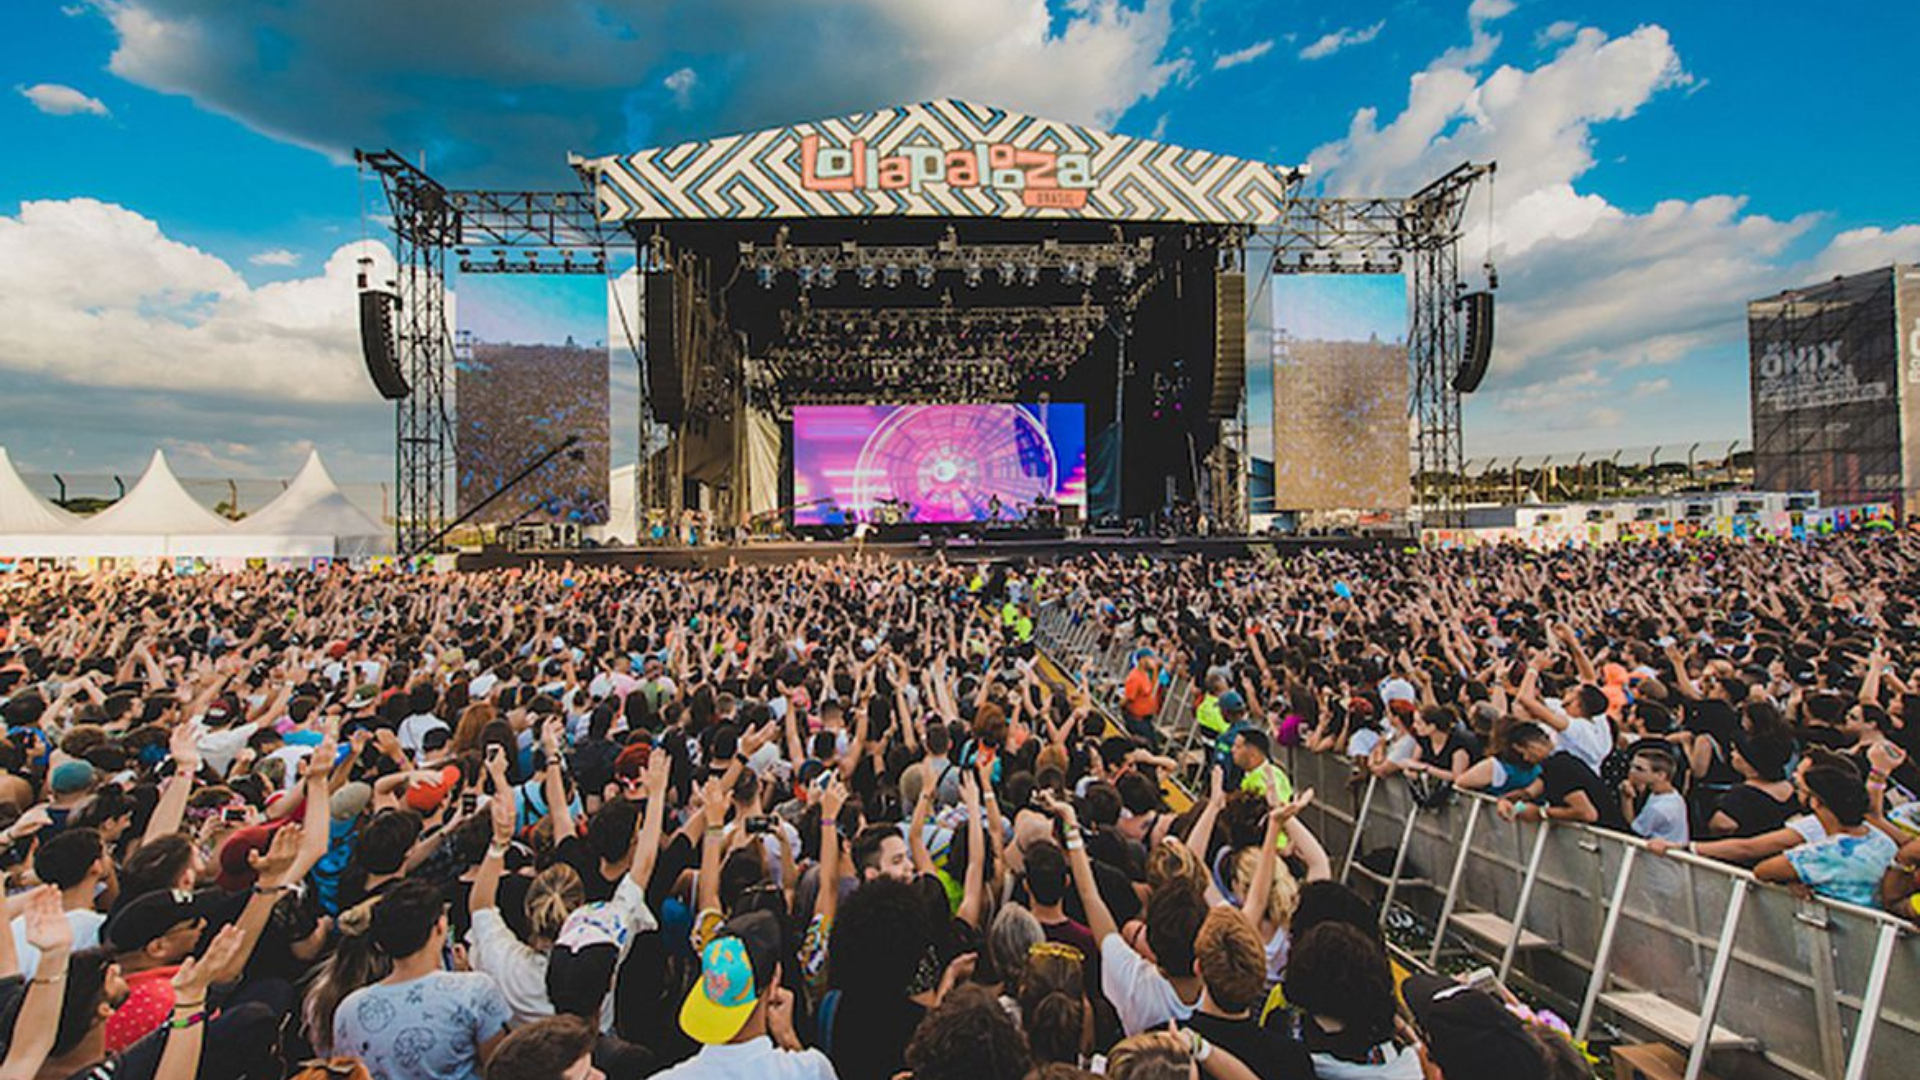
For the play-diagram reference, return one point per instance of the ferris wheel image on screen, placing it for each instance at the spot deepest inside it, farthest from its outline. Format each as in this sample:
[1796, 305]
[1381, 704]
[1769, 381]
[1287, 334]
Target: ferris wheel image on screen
[951, 463]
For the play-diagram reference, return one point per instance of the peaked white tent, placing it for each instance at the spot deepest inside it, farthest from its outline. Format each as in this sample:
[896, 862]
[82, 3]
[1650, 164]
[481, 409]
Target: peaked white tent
[22, 511]
[156, 518]
[313, 508]
[29, 525]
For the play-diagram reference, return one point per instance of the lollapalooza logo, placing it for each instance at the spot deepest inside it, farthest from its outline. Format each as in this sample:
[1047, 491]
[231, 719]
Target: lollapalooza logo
[1038, 178]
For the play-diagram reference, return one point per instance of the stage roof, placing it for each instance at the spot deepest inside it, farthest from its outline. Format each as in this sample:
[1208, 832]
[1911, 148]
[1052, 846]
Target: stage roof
[944, 159]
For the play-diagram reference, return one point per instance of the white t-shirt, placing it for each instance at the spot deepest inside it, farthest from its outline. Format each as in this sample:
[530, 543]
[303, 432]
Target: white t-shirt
[1402, 1063]
[1588, 738]
[1141, 996]
[757, 1058]
[86, 934]
[413, 732]
[218, 748]
[519, 970]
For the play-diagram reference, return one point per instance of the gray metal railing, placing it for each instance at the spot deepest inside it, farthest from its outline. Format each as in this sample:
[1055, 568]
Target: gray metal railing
[1684, 949]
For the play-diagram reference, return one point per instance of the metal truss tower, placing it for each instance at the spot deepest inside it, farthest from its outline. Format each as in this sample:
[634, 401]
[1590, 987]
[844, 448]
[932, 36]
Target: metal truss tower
[543, 230]
[1370, 236]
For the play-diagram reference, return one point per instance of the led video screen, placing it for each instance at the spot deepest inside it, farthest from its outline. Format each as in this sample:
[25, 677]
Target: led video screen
[935, 464]
[1339, 386]
[532, 371]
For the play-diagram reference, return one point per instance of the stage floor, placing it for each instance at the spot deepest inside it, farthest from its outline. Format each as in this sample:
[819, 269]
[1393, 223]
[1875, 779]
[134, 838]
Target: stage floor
[781, 552]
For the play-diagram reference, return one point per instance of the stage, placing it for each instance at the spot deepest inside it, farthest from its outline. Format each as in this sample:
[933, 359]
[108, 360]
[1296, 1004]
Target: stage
[997, 549]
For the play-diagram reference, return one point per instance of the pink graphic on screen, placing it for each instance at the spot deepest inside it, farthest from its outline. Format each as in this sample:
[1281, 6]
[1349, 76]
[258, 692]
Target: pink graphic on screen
[935, 464]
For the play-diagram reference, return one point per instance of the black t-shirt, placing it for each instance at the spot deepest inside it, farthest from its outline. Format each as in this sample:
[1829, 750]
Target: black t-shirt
[1271, 1054]
[1563, 774]
[870, 1036]
[1754, 811]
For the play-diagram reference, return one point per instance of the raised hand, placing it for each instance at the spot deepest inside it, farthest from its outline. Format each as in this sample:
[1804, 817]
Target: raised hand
[47, 927]
[1290, 809]
[500, 810]
[659, 771]
[832, 800]
[273, 864]
[196, 974]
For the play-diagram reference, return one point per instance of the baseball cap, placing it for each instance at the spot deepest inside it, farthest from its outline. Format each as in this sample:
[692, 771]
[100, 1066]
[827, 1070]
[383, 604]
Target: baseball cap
[1398, 689]
[1232, 702]
[70, 776]
[427, 795]
[352, 798]
[148, 917]
[585, 954]
[235, 865]
[1469, 1032]
[735, 968]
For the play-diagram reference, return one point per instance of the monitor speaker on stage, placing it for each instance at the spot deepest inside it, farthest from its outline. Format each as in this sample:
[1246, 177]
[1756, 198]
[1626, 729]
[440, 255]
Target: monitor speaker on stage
[1479, 341]
[378, 346]
[666, 389]
[1229, 344]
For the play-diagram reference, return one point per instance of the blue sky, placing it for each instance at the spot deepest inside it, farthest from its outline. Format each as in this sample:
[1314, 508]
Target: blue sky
[175, 222]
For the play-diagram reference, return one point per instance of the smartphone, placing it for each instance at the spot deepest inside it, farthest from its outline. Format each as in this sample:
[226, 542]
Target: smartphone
[1483, 979]
[759, 824]
[469, 802]
[234, 815]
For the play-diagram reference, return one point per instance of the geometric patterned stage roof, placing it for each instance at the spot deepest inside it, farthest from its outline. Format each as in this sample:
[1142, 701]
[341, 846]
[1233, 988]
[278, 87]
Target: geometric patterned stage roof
[948, 159]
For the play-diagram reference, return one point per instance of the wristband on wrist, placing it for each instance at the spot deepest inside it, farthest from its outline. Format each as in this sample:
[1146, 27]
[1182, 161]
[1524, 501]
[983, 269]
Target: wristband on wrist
[187, 1021]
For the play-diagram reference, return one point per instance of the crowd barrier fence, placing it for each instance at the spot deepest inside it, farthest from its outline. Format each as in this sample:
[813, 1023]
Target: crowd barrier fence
[1690, 951]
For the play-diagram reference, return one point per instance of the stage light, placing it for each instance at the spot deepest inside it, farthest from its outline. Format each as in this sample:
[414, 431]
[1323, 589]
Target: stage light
[1006, 271]
[890, 275]
[1070, 273]
[866, 274]
[973, 275]
[764, 275]
[1031, 275]
[923, 275]
[827, 276]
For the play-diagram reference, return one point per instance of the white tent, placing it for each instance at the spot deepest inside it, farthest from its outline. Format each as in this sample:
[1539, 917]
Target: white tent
[22, 511]
[312, 509]
[156, 518]
[29, 525]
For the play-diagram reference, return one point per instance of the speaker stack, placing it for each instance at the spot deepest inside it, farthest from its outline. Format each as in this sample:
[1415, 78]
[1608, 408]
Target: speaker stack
[377, 343]
[1478, 307]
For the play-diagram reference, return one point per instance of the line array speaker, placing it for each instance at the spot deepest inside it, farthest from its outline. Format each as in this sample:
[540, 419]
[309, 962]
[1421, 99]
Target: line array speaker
[666, 389]
[1229, 344]
[377, 343]
[1479, 341]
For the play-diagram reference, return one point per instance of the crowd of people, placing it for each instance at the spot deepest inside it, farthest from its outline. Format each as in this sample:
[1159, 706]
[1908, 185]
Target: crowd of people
[839, 818]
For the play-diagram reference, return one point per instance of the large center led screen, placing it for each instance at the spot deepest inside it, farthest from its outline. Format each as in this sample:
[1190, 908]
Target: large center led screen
[930, 464]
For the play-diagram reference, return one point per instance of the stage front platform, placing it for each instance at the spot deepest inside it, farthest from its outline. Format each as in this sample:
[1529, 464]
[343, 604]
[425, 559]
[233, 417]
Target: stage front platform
[1020, 548]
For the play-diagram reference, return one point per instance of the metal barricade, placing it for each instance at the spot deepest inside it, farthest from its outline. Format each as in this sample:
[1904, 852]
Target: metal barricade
[1691, 951]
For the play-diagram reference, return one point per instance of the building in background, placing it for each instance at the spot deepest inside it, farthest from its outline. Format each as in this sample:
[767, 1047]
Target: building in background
[1835, 388]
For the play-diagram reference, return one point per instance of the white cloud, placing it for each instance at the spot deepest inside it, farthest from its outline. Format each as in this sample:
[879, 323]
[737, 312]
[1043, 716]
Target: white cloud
[275, 257]
[681, 83]
[1242, 56]
[1482, 11]
[55, 99]
[1590, 290]
[592, 77]
[1865, 249]
[1556, 32]
[94, 296]
[1344, 38]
